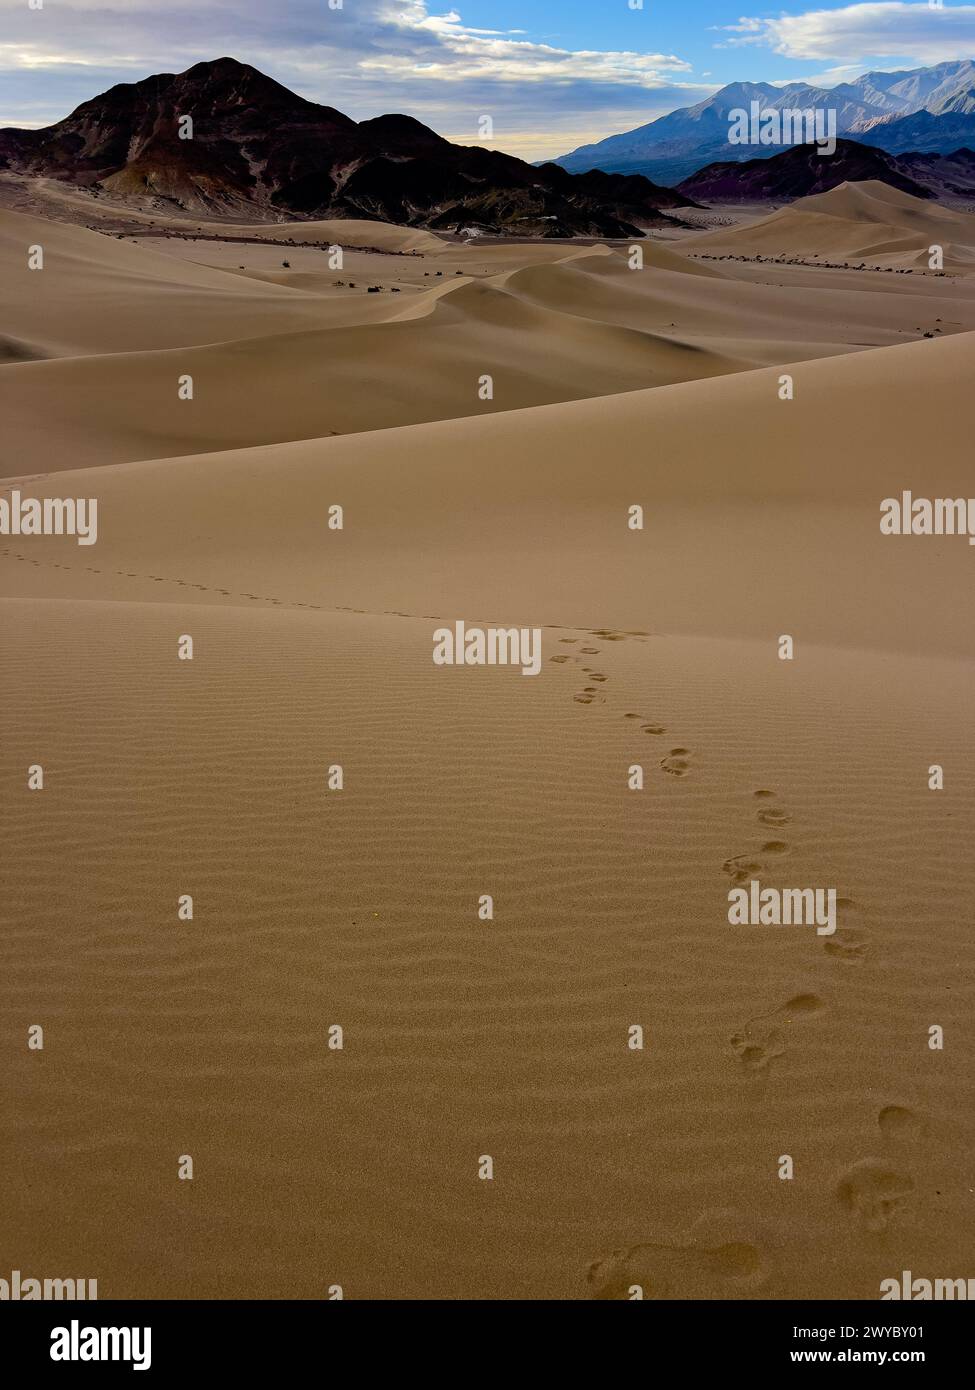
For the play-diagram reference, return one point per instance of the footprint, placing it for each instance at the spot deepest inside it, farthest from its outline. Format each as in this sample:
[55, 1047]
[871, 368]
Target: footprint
[742, 868]
[899, 1124]
[559, 659]
[872, 1194]
[588, 697]
[597, 676]
[676, 762]
[763, 1038]
[771, 815]
[756, 1053]
[653, 728]
[590, 651]
[847, 944]
[721, 1258]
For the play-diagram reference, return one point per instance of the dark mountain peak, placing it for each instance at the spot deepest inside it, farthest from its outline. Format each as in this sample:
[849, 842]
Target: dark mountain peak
[222, 68]
[235, 81]
[219, 87]
[400, 130]
[256, 149]
[797, 173]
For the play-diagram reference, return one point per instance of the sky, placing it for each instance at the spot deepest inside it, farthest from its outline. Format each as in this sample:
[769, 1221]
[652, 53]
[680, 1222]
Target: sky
[552, 74]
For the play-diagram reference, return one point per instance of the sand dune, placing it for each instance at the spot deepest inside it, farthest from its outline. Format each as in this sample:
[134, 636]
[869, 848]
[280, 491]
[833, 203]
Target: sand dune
[427, 365]
[345, 231]
[509, 1038]
[99, 294]
[313, 647]
[735, 503]
[869, 221]
[272, 361]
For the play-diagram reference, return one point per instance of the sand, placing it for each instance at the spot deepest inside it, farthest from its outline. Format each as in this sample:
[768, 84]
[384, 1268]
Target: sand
[312, 647]
[869, 222]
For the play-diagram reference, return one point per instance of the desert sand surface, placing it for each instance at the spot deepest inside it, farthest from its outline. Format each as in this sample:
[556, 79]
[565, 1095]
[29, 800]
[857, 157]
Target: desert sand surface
[660, 649]
[869, 222]
[101, 342]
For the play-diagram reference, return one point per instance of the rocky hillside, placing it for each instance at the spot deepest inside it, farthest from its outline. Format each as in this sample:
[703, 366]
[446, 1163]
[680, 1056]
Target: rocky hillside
[258, 151]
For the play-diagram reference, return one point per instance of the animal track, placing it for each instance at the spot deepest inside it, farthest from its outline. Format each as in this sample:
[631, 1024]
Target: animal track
[872, 1194]
[763, 1039]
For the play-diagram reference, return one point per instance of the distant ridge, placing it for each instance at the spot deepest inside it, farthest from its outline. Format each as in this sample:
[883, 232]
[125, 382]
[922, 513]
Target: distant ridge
[258, 151]
[928, 109]
[799, 172]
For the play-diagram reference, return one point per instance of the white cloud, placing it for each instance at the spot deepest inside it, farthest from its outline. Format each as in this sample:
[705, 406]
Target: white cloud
[372, 56]
[915, 32]
[466, 53]
[367, 36]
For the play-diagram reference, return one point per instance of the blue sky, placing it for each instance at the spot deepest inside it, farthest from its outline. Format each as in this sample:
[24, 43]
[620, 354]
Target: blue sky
[553, 74]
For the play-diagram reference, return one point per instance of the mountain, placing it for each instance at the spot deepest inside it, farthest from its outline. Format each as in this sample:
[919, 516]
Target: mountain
[259, 151]
[946, 175]
[674, 146]
[925, 89]
[797, 173]
[954, 126]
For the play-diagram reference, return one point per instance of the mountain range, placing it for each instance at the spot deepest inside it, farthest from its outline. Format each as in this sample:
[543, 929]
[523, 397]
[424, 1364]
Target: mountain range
[801, 171]
[928, 109]
[260, 151]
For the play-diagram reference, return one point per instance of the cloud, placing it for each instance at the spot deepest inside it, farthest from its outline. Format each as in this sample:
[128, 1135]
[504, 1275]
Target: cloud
[916, 32]
[464, 53]
[368, 57]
